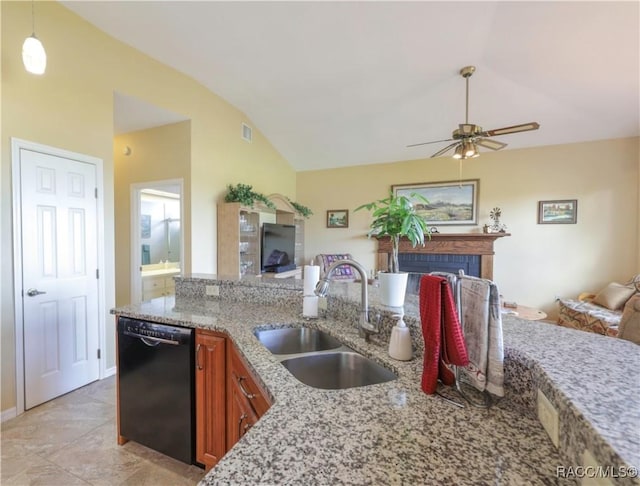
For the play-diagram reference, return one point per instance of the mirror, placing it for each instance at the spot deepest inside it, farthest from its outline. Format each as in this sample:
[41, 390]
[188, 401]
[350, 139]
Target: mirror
[159, 226]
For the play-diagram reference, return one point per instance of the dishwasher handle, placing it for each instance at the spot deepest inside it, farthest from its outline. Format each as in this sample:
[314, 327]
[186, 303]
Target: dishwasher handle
[152, 341]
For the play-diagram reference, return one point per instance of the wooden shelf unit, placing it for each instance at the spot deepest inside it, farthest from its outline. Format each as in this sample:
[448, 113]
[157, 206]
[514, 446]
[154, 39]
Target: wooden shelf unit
[238, 240]
[239, 230]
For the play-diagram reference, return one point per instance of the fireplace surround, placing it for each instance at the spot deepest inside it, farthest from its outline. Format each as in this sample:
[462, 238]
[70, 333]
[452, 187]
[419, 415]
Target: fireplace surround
[445, 252]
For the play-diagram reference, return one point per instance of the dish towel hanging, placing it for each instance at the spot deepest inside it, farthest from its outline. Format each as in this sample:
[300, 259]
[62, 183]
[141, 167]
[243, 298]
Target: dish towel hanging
[443, 339]
[482, 325]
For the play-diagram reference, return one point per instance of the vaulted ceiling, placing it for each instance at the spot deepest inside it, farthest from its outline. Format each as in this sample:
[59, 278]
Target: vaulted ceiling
[334, 84]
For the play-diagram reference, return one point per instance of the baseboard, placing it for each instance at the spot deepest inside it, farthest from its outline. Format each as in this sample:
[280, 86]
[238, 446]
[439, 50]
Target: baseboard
[109, 372]
[8, 414]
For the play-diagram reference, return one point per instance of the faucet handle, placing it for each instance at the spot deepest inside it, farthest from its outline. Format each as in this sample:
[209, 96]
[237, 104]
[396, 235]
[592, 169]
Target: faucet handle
[372, 325]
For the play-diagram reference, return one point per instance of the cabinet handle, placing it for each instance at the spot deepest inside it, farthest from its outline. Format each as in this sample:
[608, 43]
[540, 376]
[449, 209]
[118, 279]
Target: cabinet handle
[244, 391]
[200, 368]
[242, 419]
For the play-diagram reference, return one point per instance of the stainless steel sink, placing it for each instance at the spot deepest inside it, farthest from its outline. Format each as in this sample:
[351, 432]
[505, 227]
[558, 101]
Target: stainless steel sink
[337, 371]
[296, 340]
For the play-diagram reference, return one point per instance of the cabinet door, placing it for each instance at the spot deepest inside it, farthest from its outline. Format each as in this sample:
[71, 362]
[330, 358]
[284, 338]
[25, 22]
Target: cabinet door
[152, 287]
[210, 397]
[240, 416]
[247, 402]
[247, 384]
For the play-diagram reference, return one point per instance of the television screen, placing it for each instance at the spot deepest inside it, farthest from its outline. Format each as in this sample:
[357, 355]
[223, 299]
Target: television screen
[278, 246]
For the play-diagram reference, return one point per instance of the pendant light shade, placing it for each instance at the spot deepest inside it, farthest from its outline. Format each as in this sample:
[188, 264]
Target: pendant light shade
[34, 57]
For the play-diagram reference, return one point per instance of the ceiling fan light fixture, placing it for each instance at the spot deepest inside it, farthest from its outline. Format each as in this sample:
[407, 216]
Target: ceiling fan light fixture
[469, 149]
[468, 136]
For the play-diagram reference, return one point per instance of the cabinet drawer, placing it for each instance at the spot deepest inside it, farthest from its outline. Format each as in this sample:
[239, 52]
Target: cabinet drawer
[248, 387]
[153, 293]
[152, 283]
[169, 283]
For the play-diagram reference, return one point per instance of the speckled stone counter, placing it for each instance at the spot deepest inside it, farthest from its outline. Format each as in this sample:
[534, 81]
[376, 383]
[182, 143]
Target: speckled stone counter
[392, 433]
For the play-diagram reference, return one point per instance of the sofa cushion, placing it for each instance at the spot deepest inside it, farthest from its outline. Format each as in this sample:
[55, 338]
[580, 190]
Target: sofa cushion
[613, 296]
[588, 316]
[630, 323]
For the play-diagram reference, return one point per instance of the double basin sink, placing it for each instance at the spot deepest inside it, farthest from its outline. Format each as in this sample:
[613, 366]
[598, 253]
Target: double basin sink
[319, 360]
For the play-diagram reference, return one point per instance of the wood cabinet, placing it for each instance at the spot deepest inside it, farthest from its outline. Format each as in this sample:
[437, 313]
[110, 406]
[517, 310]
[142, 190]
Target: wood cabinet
[210, 362]
[239, 234]
[246, 400]
[238, 240]
[228, 399]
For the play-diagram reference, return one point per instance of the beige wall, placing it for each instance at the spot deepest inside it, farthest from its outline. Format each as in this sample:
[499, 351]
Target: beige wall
[71, 107]
[157, 154]
[537, 262]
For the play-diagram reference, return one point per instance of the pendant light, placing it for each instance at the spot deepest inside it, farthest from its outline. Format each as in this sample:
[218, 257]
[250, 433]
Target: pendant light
[34, 57]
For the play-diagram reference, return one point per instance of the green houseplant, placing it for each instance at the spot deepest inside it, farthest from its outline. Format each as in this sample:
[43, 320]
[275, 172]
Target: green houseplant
[244, 193]
[395, 216]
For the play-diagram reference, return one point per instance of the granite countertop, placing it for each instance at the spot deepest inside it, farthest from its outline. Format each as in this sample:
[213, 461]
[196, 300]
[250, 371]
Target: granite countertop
[392, 433]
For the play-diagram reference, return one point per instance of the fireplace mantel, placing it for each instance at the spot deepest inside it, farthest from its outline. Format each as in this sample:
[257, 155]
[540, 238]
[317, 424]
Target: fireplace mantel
[447, 243]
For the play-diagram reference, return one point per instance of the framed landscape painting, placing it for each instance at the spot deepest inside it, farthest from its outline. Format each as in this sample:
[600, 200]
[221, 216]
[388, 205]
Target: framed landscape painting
[563, 211]
[338, 218]
[450, 203]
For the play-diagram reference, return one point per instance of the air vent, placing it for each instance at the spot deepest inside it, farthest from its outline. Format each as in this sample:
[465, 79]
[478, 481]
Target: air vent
[246, 133]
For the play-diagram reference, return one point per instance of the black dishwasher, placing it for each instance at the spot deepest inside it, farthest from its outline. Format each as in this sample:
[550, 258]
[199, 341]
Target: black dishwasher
[156, 380]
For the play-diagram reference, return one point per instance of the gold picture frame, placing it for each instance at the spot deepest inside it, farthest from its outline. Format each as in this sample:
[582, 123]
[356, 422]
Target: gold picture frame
[451, 203]
[338, 218]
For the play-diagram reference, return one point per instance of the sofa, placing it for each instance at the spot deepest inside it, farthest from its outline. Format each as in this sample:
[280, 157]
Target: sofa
[614, 311]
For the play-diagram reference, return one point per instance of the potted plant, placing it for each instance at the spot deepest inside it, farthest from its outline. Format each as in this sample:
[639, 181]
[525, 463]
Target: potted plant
[244, 193]
[395, 216]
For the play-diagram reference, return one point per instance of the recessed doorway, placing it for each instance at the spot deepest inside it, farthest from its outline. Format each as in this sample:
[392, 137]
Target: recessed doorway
[157, 240]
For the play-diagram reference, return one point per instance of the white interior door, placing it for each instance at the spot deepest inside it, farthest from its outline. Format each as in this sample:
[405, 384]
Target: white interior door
[60, 282]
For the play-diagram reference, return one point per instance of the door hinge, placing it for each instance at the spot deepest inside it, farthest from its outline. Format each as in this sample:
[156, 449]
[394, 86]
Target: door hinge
[98, 353]
[97, 273]
[96, 192]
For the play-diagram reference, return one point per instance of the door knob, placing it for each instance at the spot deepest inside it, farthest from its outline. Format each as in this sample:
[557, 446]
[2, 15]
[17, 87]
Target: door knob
[34, 292]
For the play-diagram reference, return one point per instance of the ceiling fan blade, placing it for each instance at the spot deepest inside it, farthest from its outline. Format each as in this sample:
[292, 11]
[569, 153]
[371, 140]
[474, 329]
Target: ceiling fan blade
[525, 127]
[426, 143]
[490, 144]
[447, 148]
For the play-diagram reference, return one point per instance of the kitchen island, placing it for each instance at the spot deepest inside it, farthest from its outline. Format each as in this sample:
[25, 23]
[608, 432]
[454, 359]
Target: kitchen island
[392, 433]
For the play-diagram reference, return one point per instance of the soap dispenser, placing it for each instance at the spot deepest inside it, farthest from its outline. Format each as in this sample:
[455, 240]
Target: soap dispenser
[400, 347]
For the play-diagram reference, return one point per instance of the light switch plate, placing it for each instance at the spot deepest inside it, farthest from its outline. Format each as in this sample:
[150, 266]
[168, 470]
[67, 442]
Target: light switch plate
[548, 416]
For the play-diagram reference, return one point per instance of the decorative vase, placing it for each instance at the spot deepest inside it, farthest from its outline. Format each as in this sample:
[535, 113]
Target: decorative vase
[393, 287]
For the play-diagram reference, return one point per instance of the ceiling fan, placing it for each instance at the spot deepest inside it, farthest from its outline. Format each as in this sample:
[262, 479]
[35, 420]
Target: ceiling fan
[467, 137]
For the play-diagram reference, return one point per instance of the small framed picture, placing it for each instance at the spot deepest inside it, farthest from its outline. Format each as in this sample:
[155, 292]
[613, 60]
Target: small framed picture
[563, 211]
[338, 218]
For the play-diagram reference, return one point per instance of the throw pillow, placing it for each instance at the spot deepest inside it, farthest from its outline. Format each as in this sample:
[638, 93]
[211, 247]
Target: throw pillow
[613, 296]
[630, 323]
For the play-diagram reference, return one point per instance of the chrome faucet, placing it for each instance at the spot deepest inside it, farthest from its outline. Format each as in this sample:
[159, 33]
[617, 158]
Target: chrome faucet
[365, 327]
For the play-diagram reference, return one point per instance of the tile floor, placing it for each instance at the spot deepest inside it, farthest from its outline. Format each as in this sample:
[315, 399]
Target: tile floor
[72, 441]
